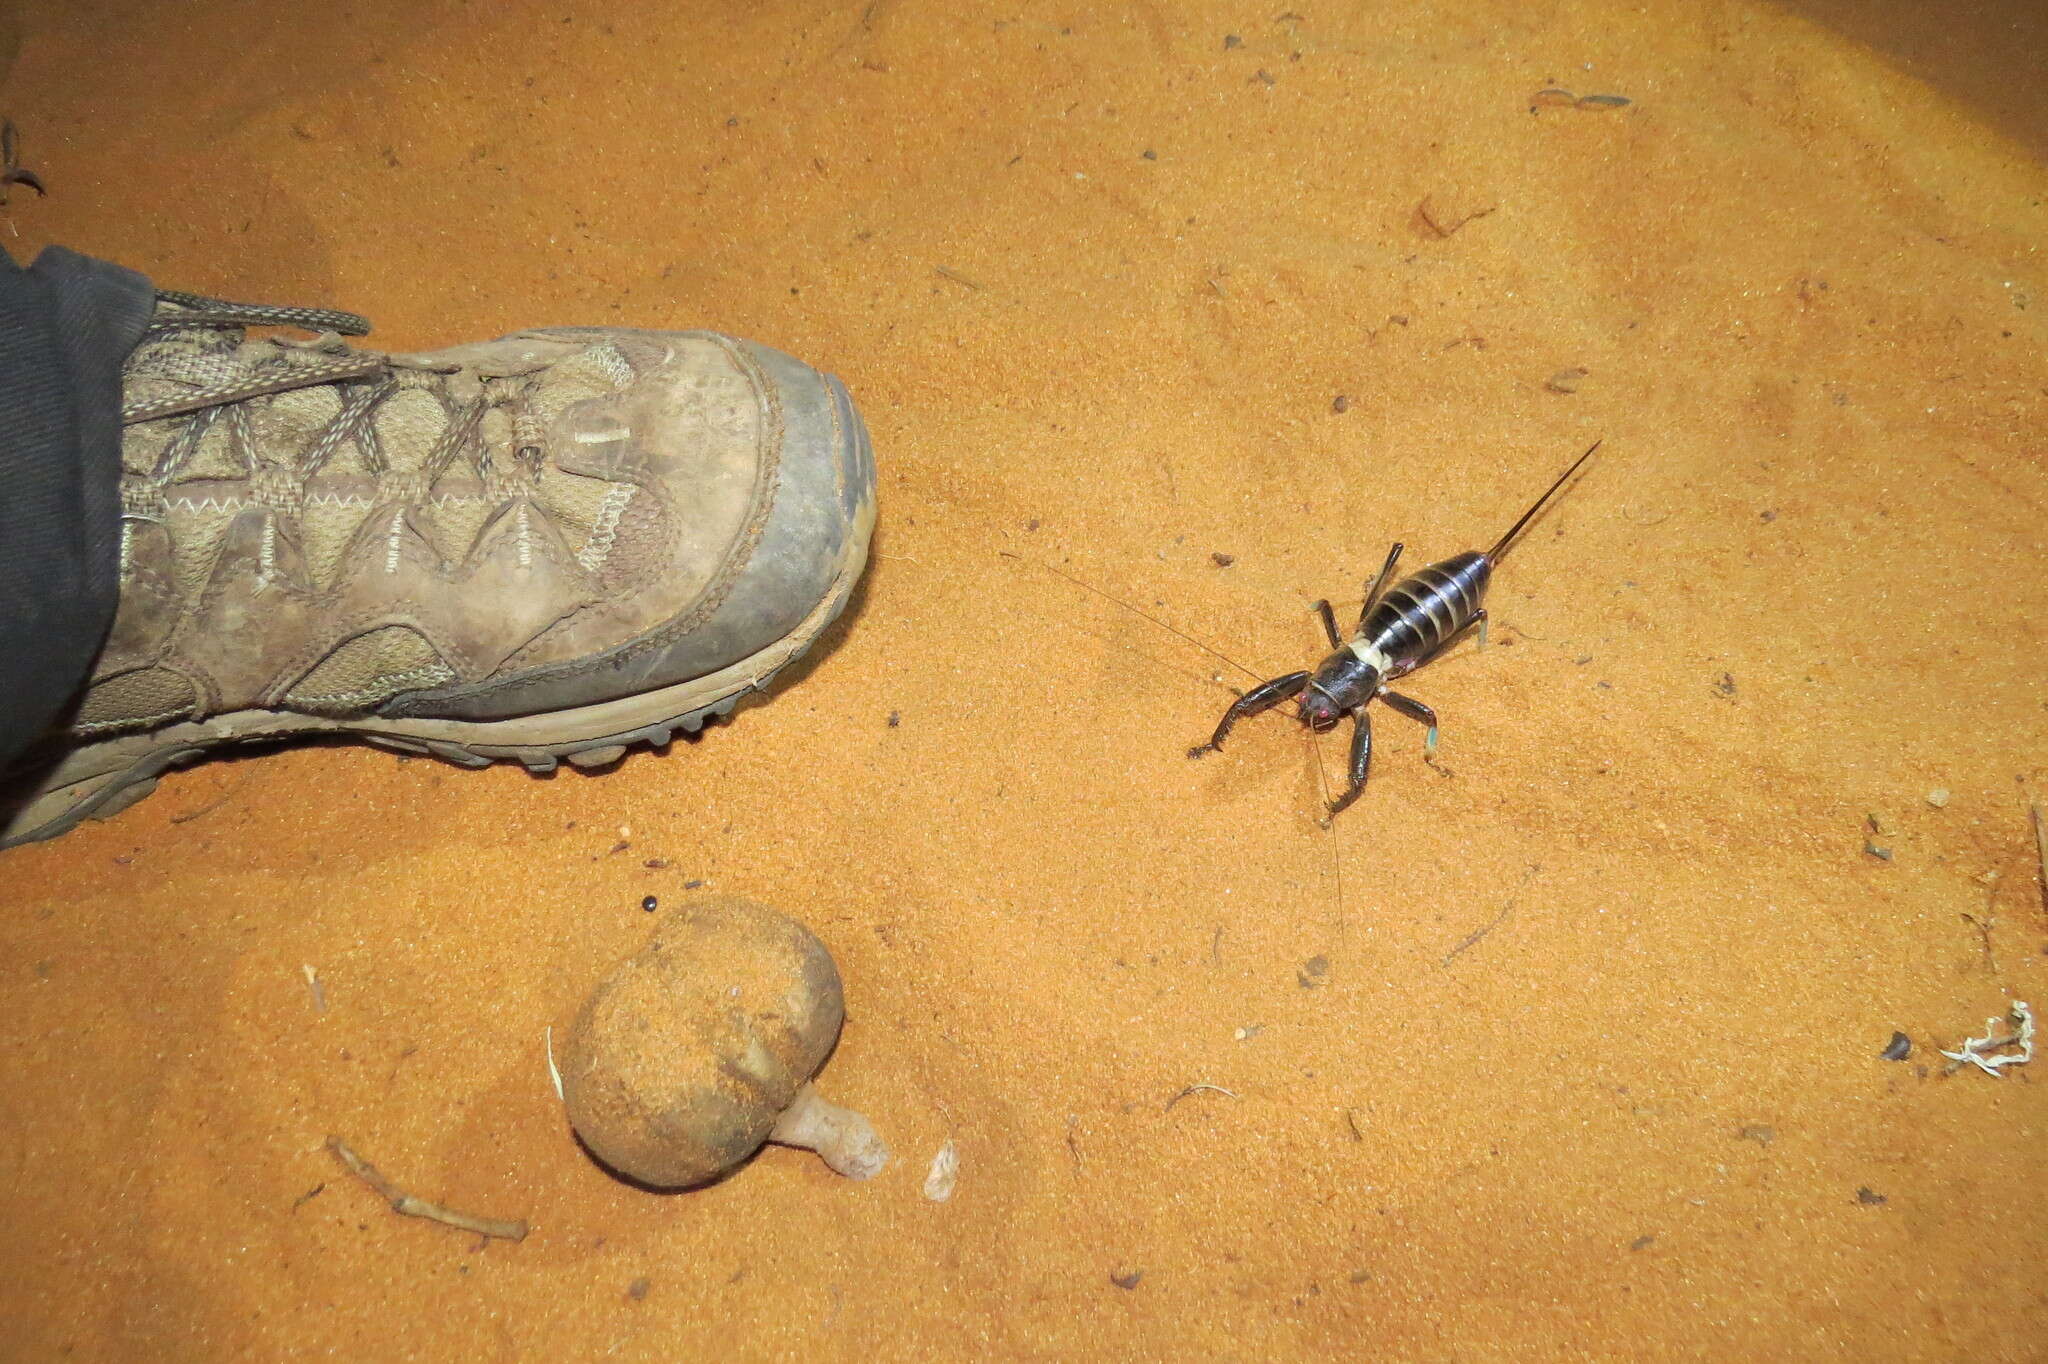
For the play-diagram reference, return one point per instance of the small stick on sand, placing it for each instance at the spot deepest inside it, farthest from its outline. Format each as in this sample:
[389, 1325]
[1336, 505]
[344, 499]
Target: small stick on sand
[2040, 851]
[1197, 1089]
[406, 1205]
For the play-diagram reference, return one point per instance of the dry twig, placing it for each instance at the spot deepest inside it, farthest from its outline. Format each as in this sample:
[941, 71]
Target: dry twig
[407, 1205]
[1196, 1089]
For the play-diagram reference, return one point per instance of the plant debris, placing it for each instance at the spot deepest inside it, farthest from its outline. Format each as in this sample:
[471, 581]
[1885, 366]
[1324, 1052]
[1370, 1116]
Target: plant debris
[1567, 380]
[1985, 1052]
[11, 172]
[938, 1184]
[1551, 97]
[318, 989]
[1195, 1089]
[1870, 1198]
[1445, 224]
[1472, 939]
[2041, 852]
[406, 1205]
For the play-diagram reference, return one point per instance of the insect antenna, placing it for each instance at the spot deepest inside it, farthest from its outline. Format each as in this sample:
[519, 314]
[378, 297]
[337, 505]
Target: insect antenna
[1146, 615]
[1537, 506]
[1329, 822]
[1314, 741]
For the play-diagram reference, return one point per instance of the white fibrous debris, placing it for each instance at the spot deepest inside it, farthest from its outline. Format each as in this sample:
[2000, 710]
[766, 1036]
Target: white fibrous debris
[1977, 1050]
[938, 1185]
[554, 1072]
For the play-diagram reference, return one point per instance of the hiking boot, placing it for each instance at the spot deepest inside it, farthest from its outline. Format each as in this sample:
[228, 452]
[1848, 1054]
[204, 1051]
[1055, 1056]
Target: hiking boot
[551, 546]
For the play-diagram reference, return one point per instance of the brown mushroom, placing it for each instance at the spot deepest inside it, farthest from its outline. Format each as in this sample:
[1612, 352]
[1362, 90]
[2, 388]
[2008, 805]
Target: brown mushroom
[701, 1046]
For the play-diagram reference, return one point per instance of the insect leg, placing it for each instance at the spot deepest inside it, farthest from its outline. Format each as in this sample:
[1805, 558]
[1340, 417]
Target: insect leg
[1372, 589]
[1330, 625]
[1265, 696]
[1414, 710]
[1361, 760]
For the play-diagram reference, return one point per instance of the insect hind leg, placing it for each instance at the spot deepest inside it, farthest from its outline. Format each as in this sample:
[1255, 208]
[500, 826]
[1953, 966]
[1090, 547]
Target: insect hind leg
[1451, 640]
[1415, 711]
[1263, 697]
[1372, 589]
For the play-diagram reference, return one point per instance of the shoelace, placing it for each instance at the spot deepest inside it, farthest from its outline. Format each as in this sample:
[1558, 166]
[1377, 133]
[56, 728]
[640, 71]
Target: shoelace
[217, 383]
[233, 381]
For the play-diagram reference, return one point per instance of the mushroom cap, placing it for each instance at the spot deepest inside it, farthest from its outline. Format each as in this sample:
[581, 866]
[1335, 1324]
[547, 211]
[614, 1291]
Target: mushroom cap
[681, 1060]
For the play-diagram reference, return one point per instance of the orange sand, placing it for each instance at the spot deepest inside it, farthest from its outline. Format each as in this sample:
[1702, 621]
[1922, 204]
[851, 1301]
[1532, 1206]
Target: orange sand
[1806, 290]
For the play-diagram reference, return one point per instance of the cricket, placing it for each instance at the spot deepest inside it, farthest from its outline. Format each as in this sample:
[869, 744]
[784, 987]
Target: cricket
[1399, 630]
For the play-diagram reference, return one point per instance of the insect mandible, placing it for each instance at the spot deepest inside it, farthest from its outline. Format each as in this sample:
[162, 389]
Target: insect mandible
[1416, 620]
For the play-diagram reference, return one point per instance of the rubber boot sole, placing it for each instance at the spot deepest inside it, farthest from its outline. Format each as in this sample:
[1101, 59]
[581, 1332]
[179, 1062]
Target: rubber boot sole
[101, 779]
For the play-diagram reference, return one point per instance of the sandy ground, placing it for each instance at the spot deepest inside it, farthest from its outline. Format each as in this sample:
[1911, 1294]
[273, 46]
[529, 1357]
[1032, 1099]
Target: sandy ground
[1564, 1047]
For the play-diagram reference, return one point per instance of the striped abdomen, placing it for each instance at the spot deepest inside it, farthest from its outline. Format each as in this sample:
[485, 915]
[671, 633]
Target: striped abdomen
[1416, 615]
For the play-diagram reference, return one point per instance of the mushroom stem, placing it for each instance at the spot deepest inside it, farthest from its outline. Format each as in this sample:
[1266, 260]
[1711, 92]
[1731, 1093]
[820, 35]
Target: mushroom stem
[843, 1138]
